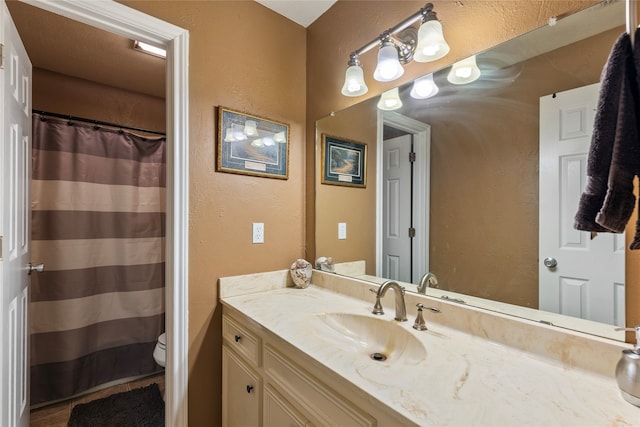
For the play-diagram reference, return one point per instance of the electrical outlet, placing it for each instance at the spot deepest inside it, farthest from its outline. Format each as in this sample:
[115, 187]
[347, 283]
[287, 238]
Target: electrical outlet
[342, 230]
[258, 232]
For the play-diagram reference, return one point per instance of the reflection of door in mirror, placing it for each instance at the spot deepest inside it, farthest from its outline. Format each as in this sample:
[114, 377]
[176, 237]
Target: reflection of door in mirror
[397, 207]
[403, 198]
[579, 276]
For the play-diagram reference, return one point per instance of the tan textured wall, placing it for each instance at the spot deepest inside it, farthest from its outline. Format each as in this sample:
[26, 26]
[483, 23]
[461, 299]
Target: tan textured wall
[242, 56]
[355, 206]
[57, 93]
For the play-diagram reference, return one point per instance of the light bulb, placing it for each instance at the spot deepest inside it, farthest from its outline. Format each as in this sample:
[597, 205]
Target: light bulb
[390, 100]
[464, 72]
[389, 67]
[424, 87]
[279, 137]
[354, 84]
[250, 128]
[431, 43]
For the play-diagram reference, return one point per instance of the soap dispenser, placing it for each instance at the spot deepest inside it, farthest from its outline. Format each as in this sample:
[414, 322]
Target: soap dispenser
[628, 370]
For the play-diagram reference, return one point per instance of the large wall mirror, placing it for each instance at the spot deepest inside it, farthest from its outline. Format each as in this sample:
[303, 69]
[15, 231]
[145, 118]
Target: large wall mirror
[491, 195]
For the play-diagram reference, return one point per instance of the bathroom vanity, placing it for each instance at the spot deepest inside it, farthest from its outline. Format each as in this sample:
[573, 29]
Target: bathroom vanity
[307, 357]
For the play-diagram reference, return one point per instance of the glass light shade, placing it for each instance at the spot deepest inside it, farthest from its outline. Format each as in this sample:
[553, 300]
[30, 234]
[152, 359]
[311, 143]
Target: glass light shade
[228, 136]
[390, 100]
[354, 84]
[268, 141]
[250, 128]
[279, 137]
[238, 132]
[389, 67]
[424, 87]
[257, 142]
[431, 43]
[464, 72]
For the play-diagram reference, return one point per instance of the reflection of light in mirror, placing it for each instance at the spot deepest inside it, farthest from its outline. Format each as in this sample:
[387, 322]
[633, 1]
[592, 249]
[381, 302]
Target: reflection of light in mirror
[228, 136]
[424, 87]
[390, 100]
[257, 142]
[250, 128]
[279, 137]
[354, 84]
[389, 67]
[238, 132]
[431, 43]
[464, 72]
[268, 141]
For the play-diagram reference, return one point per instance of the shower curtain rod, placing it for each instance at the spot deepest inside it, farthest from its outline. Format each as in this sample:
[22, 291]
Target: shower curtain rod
[96, 122]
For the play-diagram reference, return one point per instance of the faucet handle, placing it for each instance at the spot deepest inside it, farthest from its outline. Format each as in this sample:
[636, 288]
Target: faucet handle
[377, 308]
[420, 324]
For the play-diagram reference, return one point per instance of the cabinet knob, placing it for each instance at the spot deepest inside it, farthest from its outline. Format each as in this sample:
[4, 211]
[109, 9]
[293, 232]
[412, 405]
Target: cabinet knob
[249, 388]
[237, 338]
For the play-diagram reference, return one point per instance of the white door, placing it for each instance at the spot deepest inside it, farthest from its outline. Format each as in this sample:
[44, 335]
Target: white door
[588, 278]
[15, 74]
[396, 203]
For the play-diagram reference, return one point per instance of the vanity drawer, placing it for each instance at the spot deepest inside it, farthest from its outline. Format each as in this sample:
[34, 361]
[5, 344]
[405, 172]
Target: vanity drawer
[309, 395]
[241, 340]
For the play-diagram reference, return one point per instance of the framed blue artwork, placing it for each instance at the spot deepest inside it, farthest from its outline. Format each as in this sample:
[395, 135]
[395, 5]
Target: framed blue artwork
[344, 162]
[252, 145]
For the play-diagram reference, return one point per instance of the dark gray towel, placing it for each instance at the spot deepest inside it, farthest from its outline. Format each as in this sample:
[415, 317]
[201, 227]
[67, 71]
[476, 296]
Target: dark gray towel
[620, 201]
[604, 134]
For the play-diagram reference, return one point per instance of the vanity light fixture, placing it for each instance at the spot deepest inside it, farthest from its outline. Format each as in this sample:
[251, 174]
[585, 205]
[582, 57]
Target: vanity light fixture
[397, 47]
[389, 67]
[390, 100]
[150, 49]
[354, 84]
[424, 87]
[464, 72]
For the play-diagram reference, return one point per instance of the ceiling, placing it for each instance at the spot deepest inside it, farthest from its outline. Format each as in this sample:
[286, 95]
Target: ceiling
[65, 46]
[303, 12]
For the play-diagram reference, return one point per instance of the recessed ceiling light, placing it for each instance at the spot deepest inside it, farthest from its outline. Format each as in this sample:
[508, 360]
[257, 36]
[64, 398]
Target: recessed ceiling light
[151, 50]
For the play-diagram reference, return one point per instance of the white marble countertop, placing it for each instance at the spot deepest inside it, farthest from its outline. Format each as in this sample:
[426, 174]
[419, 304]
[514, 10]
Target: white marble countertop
[464, 379]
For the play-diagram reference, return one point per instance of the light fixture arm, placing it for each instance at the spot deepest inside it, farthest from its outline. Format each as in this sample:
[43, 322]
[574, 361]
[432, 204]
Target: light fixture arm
[425, 14]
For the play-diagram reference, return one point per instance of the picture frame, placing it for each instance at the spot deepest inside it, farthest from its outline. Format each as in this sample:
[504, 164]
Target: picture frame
[252, 145]
[344, 162]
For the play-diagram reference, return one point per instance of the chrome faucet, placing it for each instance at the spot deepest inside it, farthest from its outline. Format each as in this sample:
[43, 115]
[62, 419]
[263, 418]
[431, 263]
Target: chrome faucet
[401, 308]
[429, 280]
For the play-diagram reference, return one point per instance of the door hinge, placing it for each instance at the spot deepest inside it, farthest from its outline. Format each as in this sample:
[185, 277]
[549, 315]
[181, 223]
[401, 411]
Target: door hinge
[1, 55]
[412, 157]
[412, 232]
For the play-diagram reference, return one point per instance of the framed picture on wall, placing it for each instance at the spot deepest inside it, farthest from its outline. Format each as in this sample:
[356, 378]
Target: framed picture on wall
[344, 162]
[252, 145]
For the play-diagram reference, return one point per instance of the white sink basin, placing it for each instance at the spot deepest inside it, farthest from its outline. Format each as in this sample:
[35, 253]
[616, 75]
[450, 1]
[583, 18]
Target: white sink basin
[380, 340]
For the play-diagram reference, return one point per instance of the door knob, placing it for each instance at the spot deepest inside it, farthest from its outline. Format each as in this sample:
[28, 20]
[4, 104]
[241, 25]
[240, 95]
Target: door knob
[38, 268]
[550, 262]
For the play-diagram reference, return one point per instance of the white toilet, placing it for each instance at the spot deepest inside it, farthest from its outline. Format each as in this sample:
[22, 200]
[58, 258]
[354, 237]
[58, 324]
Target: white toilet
[160, 351]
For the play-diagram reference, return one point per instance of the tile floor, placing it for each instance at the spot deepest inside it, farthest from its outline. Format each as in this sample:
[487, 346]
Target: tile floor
[57, 415]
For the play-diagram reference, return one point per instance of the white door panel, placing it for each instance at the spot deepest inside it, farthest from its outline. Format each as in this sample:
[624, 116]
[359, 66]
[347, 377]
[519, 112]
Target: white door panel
[397, 209]
[16, 173]
[588, 281]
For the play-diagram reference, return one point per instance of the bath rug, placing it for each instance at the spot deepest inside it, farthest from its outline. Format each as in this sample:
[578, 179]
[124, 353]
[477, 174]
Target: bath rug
[142, 407]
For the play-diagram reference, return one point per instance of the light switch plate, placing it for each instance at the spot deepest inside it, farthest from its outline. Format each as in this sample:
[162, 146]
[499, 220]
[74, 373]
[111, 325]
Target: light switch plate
[342, 230]
[258, 232]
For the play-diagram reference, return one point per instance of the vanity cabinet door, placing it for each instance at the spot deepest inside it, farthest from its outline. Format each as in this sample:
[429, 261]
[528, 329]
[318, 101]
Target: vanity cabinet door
[280, 413]
[241, 392]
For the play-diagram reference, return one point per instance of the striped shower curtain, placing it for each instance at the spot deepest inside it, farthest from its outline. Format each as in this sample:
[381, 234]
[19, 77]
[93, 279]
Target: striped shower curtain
[98, 225]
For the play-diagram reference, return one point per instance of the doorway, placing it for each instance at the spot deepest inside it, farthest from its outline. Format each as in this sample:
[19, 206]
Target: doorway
[119, 19]
[413, 236]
